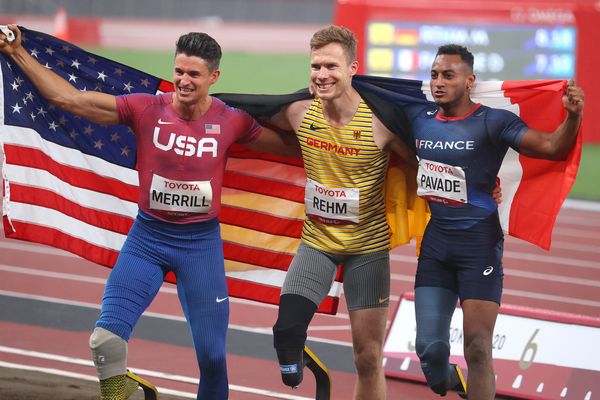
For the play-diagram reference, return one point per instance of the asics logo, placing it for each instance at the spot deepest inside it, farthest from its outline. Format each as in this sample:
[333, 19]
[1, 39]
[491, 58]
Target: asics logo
[161, 122]
[313, 127]
[488, 270]
[221, 299]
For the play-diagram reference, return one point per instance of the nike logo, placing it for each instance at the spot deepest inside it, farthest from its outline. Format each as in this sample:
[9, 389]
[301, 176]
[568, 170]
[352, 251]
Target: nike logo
[220, 300]
[161, 122]
[383, 300]
[488, 270]
[431, 112]
[313, 127]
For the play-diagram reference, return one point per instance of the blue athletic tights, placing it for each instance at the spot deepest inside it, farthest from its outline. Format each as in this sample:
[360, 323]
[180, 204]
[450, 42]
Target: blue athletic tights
[194, 252]
[434, 307]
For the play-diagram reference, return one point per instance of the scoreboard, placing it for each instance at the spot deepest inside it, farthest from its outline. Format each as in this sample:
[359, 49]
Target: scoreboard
[511, 40]
[516, 52]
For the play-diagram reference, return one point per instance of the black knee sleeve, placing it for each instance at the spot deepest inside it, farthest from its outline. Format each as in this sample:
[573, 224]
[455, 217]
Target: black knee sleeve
[289, 335]
[295, 313]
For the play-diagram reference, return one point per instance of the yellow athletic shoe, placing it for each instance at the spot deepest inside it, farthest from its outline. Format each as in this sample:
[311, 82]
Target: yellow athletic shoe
[113, 388]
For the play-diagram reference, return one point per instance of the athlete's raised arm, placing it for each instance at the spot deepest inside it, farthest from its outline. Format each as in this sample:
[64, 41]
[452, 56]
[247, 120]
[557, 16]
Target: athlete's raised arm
[558, 144]
[97, 107]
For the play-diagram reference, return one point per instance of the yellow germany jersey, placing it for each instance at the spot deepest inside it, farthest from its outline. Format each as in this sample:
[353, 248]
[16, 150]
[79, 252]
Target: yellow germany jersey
[344, 196]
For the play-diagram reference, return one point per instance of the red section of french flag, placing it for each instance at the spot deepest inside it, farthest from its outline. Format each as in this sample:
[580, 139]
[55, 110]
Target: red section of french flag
[544, 184]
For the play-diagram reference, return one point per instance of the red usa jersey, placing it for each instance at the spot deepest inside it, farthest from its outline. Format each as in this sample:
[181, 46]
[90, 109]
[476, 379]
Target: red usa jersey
[181, 162]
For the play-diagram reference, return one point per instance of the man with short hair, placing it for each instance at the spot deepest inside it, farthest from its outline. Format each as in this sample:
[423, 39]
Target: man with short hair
[345, 148]
[182, 139]
[461, 251]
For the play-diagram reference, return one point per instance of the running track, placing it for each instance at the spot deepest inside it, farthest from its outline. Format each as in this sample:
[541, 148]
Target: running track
[49, 301]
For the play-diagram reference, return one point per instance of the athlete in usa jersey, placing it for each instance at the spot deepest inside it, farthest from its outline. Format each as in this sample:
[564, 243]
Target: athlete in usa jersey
[181, 162]
[182, 142]
[460, 146]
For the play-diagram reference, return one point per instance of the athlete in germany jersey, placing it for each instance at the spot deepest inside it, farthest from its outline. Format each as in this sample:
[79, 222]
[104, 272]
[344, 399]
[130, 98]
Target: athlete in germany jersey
[345, 149]
[345, 171]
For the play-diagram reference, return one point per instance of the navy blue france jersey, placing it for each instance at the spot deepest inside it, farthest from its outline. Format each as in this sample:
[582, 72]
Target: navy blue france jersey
[459, 159]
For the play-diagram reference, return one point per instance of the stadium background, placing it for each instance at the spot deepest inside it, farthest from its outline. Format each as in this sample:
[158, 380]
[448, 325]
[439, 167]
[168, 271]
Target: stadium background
[265, 44]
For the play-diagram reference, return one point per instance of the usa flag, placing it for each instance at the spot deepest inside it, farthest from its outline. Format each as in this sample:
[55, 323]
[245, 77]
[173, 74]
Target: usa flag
[73, 184]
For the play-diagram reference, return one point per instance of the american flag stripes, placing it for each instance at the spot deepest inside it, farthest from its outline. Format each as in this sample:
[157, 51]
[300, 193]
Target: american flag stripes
[72, 184]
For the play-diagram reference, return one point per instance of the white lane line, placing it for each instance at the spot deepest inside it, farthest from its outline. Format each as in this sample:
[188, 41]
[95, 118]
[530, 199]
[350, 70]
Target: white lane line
[155, 374]
[584, 205]
[517, 255]
[38, 248]
[574, 232]
[550, 278]
[550, 297]
[168, 289]
[583, 248]
[518, 273]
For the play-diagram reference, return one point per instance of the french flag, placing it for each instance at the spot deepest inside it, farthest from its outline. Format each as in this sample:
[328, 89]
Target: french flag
[533, 190]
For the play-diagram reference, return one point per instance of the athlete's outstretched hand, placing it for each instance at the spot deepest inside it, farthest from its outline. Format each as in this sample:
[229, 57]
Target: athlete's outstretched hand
[573, 98]
[5, 46]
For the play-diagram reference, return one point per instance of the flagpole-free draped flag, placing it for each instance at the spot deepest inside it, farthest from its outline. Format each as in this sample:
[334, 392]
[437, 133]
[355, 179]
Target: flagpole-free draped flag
[533, 190]
[72, 184]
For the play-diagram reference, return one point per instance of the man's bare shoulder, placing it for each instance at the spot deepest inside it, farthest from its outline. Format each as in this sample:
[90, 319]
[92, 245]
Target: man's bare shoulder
[291, 116]
[379, 128]
[299, 107]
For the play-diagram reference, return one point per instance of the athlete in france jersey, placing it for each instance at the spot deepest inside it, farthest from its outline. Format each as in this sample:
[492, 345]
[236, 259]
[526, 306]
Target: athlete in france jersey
[459, 159]
[460, 145]
[461, 251]
[181, 163]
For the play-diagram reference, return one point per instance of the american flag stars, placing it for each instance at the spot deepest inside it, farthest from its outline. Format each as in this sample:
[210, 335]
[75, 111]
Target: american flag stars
[24, 107]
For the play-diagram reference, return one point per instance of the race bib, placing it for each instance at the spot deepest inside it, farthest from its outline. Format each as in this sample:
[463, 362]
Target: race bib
[180, 196]
[442, 183]
[332, 206]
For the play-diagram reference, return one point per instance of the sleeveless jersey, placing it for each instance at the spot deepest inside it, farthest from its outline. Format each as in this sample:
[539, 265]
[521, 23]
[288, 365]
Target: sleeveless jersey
[181, 162]
[344, 196]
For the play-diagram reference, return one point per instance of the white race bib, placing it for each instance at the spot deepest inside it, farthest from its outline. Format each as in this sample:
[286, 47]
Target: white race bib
[441, 183]
[181, 196]
[332, 206]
